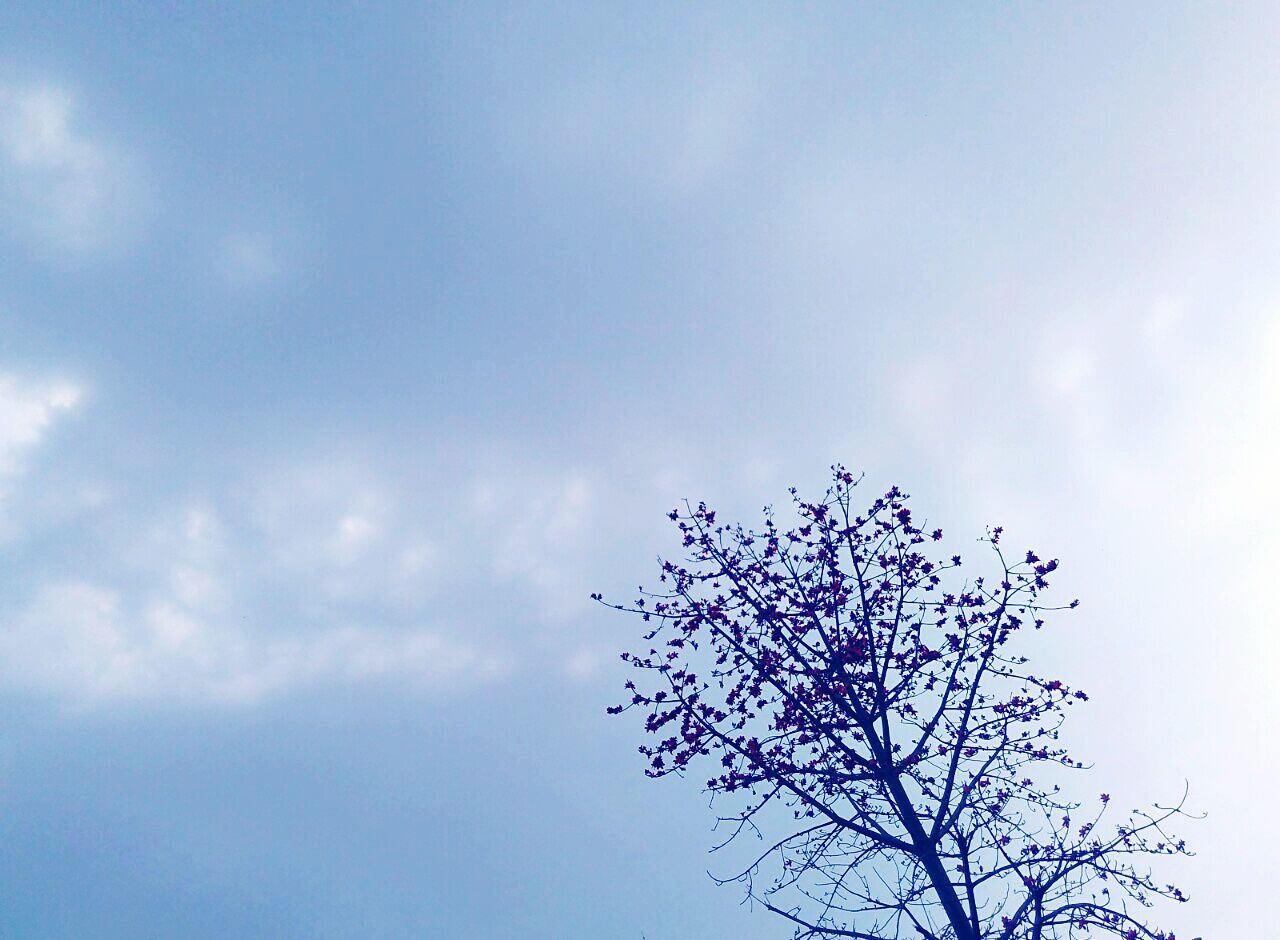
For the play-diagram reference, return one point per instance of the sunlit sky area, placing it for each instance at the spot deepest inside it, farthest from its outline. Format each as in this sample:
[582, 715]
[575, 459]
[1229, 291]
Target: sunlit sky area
[345, 351]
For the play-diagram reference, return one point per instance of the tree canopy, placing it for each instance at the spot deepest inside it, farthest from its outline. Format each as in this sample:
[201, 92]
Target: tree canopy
[858, 704]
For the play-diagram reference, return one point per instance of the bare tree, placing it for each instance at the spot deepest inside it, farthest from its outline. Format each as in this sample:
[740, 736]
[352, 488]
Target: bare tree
[867, 719]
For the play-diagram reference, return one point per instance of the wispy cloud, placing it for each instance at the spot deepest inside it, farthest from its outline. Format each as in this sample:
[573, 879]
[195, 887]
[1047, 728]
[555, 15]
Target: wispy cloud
[61, 184]
[326, 571]
[90, 644]
[341, 526]
[27, 410]
[541, 533]
[198, 609]
[249, 260]
[673, 129]
[310, 577]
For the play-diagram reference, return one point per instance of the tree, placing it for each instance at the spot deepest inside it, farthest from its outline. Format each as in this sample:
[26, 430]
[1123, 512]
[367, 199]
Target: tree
[866, 717]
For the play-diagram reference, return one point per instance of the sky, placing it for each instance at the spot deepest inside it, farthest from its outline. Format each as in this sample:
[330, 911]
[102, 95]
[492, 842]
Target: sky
[345, 352]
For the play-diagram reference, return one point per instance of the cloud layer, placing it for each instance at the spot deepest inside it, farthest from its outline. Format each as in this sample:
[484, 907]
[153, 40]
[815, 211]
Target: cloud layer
[312, 582]
[62, 185]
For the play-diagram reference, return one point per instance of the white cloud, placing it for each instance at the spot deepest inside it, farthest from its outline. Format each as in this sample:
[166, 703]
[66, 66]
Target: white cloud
[1162, 320]
[249, 259]
[1222, 459]
[342, 528]
[26, 411]
[542, 537]
[316, 573]
[311, 580]
[352, 537]
[582, 665]
[1068, 368]
[91, 644]
[59, 183]
[677, 128]
[715, 121]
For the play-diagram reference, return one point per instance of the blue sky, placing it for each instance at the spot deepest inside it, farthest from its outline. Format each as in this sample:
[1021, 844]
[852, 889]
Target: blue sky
[343, 354]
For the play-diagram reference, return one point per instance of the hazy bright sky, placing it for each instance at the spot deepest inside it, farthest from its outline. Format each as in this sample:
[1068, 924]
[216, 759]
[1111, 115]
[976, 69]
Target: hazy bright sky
[343, 354]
